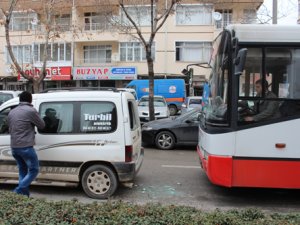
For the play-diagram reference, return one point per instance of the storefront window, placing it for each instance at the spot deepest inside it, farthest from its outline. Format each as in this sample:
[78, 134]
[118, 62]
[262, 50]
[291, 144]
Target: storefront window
[89, 83]
[69, 83]
[107, 83]
[50, 84]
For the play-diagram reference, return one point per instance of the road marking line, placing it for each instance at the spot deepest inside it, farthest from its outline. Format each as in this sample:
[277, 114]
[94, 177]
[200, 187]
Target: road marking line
[178, 166]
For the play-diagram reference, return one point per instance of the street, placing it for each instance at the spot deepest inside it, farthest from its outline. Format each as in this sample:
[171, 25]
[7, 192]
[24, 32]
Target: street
[175, 177]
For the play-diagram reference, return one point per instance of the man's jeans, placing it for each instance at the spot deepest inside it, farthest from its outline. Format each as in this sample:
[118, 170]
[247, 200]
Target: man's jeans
[28, 165]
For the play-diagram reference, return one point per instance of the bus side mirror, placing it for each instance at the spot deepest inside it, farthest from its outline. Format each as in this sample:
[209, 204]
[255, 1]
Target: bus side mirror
[239, 61]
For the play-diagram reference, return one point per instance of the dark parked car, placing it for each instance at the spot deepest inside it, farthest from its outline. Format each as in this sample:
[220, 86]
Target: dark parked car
[166, 133]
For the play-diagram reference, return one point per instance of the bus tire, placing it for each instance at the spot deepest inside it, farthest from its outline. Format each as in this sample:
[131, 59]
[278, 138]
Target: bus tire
[173, 110]
[99, 182]
[165, 140]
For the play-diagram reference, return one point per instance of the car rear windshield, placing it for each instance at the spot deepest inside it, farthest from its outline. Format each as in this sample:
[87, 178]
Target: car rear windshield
[158, 102]
[195, 101]
[4, 97]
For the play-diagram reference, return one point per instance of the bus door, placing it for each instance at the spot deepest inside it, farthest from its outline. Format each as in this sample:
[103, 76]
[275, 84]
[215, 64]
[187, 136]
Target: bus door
[267, 148]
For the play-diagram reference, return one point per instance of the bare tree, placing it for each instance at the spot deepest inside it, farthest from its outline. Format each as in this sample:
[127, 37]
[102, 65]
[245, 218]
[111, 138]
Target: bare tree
[132, 16]
[285, 7]
[49, 33]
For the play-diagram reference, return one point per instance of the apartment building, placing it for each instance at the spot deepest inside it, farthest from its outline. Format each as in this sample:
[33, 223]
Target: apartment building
[86, 51]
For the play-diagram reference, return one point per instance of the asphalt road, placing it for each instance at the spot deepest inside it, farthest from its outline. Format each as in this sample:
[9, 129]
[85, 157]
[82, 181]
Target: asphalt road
[175, 177]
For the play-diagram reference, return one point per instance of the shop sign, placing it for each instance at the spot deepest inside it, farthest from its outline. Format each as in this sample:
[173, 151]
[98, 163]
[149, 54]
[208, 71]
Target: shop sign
[53, 73]
[104, 73]
[91, 73]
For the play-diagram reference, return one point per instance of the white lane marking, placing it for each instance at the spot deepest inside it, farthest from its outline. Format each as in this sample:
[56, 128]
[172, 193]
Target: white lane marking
[184, 167]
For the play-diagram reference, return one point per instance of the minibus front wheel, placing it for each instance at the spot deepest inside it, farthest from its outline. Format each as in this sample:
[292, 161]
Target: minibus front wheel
[99, 181]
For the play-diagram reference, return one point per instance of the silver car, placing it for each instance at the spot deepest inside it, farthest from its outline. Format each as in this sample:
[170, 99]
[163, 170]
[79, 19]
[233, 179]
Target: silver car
[161, 109]
[191, 102]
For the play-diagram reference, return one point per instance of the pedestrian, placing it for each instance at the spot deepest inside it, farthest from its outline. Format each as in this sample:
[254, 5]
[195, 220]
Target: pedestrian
[21, 122]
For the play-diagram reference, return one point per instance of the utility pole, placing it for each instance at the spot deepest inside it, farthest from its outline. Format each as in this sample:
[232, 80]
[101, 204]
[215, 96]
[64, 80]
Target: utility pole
[298, 21]
[274, 13]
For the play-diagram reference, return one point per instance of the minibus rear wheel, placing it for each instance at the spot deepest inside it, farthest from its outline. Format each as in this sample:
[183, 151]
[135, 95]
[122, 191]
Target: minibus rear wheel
[99, 181]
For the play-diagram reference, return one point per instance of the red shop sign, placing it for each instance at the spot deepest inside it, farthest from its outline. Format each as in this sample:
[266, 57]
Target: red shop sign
[53, 73]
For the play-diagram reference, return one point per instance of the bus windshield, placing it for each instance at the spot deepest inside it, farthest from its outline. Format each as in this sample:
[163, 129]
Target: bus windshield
[216, 108]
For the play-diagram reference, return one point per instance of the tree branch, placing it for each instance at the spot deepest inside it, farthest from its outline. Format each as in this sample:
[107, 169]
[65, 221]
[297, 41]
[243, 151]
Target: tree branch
[138, 30]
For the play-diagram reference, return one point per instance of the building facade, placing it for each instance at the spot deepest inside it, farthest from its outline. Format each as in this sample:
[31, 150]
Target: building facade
[85, 51]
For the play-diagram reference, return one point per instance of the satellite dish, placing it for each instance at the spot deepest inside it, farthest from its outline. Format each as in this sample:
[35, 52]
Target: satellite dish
[8, 70]
[217, 16]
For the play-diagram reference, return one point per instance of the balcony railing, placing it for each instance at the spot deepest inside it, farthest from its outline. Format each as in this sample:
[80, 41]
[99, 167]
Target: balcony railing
[94, 61]
[222, 24]
[96, 26]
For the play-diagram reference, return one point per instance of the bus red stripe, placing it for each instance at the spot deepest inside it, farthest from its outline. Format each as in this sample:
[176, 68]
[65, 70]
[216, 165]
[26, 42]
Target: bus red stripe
[266, 173]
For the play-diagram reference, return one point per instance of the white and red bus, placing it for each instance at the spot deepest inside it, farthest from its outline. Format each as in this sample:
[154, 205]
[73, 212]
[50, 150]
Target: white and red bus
[262, 153]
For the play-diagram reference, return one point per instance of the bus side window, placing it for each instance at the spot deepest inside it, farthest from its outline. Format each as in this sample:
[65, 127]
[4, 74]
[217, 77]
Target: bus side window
[290, 108]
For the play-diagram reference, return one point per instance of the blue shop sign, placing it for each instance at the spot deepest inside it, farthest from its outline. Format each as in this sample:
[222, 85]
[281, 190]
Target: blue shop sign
[123, 70]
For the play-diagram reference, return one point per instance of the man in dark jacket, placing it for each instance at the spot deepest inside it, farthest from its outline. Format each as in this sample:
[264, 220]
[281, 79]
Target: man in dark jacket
[265, 109]
[21, 122]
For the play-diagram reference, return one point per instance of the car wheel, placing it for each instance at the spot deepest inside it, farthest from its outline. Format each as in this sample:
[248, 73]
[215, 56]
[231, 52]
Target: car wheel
[165, 140]
[173, 110]
[99, 181]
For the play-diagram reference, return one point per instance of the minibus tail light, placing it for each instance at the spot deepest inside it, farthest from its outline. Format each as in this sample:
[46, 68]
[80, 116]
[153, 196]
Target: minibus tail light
[128, 153]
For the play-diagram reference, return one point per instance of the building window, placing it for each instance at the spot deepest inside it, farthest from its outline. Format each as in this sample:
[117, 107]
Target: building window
[94, 21]
[63, 22]
[55, 52]
[141, 15]
[194, 14]
[97, 54]
[249, 16]
[193, 51]
[226, 18]
[23, 21]
[22, 54]
[134, 51]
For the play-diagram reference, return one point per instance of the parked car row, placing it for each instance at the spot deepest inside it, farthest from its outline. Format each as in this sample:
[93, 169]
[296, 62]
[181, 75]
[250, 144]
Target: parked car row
[164, 132]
